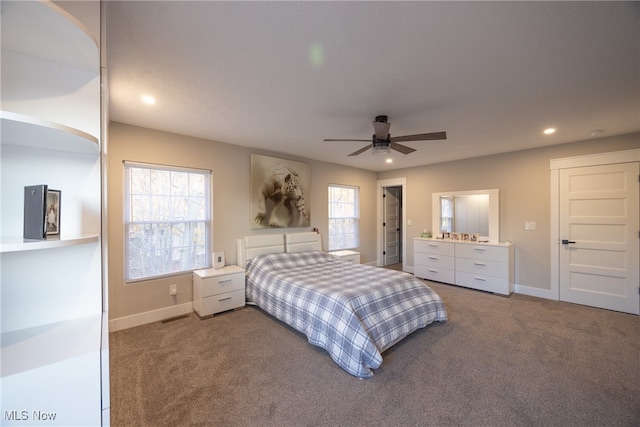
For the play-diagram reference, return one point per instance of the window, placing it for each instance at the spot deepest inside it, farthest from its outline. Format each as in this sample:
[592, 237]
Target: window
[167, 219]
[446, 214]
[344, 215]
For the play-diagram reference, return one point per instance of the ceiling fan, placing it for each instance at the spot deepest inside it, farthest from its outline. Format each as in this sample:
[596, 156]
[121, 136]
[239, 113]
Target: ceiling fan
[383, 143]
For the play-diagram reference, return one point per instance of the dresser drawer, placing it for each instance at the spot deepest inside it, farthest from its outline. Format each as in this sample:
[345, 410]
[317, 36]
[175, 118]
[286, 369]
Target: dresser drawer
[221, 284]
[431, 246]
[434, 260]
[436, 274]
[483, 283]
[483, 267]
[490, 253]
[221, 302]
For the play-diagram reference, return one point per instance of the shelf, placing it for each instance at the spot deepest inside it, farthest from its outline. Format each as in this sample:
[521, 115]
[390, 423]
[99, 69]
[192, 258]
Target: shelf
[45, 30]
[27, 131]
[44, 345]
[18, 244]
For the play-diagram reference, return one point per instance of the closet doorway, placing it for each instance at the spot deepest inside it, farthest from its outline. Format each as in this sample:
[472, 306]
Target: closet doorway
[391, 220]
[391, 223]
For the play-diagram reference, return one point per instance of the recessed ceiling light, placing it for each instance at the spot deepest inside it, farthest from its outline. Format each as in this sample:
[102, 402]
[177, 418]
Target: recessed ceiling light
[389, 160]
[148, 99]
[549, 131]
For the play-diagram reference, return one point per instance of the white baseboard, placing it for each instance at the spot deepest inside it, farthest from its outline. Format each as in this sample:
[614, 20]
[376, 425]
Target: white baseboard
[149, 316]
[535, 292]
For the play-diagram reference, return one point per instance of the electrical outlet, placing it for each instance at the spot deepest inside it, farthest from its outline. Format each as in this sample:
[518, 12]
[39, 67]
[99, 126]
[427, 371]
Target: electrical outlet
[173, 289]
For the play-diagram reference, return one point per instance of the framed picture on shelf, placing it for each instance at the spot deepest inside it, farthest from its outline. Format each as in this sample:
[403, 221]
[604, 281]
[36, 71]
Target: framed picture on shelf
[52, 216]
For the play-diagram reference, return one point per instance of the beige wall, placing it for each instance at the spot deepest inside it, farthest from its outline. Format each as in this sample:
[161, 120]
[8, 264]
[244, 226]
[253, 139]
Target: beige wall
[231, 205]
[523, 178]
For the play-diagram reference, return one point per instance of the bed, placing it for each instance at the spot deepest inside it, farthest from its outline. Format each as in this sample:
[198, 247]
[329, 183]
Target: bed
[354, 311]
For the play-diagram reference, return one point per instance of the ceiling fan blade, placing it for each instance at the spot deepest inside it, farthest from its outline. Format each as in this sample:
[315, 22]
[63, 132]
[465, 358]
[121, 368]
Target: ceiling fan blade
[360, 151]
[359, 140]
[420, 137]
[402, 148]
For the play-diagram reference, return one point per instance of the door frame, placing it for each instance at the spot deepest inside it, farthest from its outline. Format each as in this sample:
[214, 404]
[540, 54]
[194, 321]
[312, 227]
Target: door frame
[381, 184]
[625, 156]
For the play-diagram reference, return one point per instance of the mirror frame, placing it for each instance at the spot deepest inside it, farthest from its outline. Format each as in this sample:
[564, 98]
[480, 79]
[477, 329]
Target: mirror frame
[494, 211]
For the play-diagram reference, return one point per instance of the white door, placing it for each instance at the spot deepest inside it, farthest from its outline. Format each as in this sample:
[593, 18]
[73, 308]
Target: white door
[391, 205]
[599, 233]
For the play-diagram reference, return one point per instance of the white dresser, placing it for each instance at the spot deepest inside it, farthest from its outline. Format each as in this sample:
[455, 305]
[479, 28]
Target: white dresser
[218, 290]
[483, 266]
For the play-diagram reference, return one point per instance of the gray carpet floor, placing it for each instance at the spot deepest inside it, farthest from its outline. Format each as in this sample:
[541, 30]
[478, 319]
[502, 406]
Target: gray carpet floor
[517, 361]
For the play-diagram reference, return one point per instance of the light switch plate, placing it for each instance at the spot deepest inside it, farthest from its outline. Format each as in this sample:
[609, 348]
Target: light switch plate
[529, 225]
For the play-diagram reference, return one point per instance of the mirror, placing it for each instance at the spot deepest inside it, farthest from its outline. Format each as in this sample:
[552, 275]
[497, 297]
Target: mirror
[473, 211]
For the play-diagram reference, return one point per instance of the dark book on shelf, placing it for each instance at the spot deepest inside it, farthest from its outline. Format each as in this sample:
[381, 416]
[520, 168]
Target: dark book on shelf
[35, 209]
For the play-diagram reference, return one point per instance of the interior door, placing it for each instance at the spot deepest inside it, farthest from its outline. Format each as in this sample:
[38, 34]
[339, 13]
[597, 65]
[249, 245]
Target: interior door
[391, 205]
[599, 232]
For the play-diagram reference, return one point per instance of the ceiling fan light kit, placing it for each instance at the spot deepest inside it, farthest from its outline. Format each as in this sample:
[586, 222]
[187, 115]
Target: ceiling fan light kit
[380, 147]
[383, 143]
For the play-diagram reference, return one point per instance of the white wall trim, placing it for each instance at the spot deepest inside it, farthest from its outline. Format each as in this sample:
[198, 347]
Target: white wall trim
[150, 316]
[613, 157]
[393, 182]
[535, 292]
[624, 156]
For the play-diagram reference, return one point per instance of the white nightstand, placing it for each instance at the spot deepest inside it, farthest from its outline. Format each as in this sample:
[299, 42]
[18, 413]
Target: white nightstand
[218, 290]
[352, 256]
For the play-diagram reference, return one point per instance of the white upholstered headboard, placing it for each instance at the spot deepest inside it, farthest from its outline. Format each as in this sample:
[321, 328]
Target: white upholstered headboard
[252, 246]
[303, 242]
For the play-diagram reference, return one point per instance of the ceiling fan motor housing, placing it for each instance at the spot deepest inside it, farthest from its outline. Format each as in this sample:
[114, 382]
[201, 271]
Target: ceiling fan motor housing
[378, 142]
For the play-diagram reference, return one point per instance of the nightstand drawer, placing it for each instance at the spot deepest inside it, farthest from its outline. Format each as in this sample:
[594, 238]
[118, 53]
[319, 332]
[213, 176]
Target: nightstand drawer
[222, 302]
[221, 284]
[346, 255]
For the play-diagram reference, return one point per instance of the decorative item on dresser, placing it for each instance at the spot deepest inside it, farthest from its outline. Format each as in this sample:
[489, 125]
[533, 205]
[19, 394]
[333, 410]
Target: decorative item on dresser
[217, 290]
[483, 266]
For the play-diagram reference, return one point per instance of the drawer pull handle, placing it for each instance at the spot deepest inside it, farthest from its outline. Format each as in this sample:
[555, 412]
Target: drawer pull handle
[433, 245]
[479, 279]
[433, 257]
[433, 271]
[224, 299]
[225, 281]
[479, 249]
[480, 264]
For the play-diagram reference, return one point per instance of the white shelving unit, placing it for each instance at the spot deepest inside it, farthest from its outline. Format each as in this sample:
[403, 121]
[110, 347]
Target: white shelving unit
[53, 325]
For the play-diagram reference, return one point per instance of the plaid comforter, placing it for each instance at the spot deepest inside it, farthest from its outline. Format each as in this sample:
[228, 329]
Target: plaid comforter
[353, 311]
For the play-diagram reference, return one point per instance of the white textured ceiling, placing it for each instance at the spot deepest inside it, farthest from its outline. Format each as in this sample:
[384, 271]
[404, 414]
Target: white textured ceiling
[283, 76]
